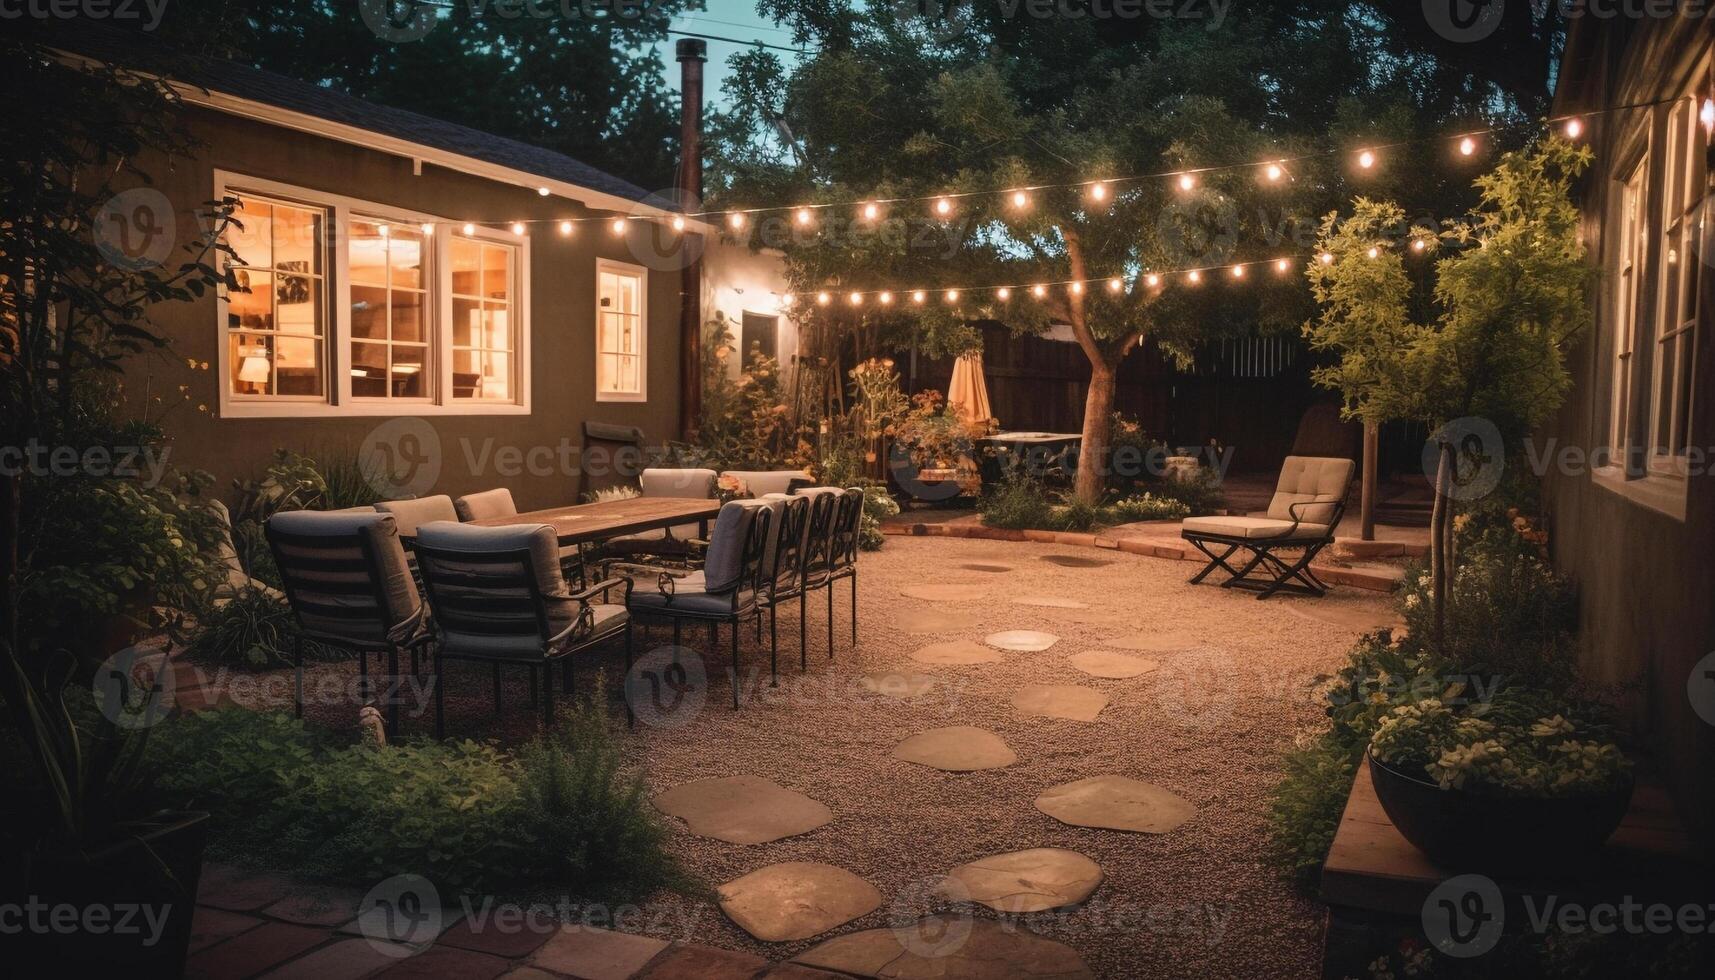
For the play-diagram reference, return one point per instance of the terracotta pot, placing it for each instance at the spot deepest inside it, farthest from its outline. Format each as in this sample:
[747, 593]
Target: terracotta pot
[1465, 830]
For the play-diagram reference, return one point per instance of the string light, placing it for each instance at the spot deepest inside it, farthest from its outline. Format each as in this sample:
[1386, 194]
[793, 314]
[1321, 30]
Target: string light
[1152, 279]
[1281, 265]
[1099, 190]
[918, 296]
[1327, 258]
[735, 220]
[1238, 272]
[428, 228]
[1274, 172]
[678, 224]
[565, 227]
[1574, 128]
[1706, 116]
[856, 299]
[804, 217]
[822, 299]
[1467, 146]
[886, 298]
[788, 299]
[1373, 252]
[870, 211]
[518, 227]
[469, 228]
[943, 207]
[1186, 182]
[619, 226]
[1003, 294]
[1077, 288]
[1195, 276]
[952, 295]
[1115, 285]
[1366, 159]
[1039, 290]
[1020, 199]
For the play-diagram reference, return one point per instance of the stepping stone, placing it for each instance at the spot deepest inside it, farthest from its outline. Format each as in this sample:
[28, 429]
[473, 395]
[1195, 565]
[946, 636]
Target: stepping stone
[947, 593]
[961, 652]
[742, 809]
[1113, 666]
[1067, 701]
[1023, 641]
[1021, 882]
[991, 567]
[1116, 803]
[1076, 561]
[1154, 642]
[960, 748]
[897, 684]
[1049, 602]
[796, 900]
[583, 951]
[950, 947]
[934, 620]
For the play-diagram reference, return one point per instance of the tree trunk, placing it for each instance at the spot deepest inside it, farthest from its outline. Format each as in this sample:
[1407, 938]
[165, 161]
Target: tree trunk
[1098, 417]
[1367, 498]
[1440, 521]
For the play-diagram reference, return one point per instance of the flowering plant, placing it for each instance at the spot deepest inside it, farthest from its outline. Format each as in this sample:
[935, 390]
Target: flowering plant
[729, 488]
[1529, 746]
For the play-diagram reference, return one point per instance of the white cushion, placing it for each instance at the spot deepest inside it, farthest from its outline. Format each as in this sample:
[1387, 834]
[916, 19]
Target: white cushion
[414, 513]
[760, 483]
[1318, 480]
[1252, 527]
[692, 483]
[486, 505]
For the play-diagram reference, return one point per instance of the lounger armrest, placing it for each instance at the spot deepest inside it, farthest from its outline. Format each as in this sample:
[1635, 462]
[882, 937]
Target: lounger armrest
[584, 624]
[1339, 507]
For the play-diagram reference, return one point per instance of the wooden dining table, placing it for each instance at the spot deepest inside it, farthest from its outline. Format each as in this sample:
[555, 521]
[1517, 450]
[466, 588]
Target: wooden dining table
[580, 524]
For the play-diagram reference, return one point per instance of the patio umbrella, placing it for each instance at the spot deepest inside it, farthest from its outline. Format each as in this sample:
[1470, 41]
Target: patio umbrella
[968, 392]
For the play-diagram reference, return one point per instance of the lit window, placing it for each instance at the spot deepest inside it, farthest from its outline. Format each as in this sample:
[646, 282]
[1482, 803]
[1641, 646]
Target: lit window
[621, 346]
[1628, 256]
[484, 319]
[1677, 284]
[276, 313]
[389, 315]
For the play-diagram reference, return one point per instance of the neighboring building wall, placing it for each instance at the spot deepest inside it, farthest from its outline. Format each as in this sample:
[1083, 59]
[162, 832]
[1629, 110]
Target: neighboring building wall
[1644, 570]
[562, 302]
[740, 283]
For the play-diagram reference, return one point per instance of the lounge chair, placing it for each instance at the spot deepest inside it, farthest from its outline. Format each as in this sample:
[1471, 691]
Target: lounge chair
[1307, 505]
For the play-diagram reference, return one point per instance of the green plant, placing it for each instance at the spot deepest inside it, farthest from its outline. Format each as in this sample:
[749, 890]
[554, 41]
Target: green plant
[745, 422]
[234, 763]
[1148, 507]
[253, 628]
[1018, 501]
[1524, 744]
[1199, 490]
[295, 481]
[610, 494]
[1304, 810]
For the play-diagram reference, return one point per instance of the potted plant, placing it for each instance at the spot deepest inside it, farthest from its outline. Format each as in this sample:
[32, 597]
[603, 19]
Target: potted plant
[94, 843]
[1514, 784]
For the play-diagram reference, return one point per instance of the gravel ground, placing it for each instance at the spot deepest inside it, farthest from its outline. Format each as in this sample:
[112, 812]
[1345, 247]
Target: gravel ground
[1209, 725]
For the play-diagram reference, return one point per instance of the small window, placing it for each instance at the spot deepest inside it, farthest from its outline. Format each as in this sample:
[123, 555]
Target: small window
[1676, 299]
[1628, 258]
[389, 314]
[621, 345]
[276, 312]
[485, 300]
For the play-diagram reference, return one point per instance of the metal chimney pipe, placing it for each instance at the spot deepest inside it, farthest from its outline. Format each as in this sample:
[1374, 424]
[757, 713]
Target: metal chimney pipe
[691, 55]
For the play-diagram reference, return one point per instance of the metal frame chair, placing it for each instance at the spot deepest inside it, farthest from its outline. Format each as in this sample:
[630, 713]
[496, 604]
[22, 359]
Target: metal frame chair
[1294, 576]
[789, 561]
[333, 569]
[841, 555]
[491, 604]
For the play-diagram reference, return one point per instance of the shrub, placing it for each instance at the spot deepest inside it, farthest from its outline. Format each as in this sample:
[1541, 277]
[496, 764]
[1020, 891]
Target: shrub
[1016, 502]
[562, 808]
[1199, 492]
[1521, 744]
[1305, 810]
[878, 506]
[1148, 507]
[252, 629]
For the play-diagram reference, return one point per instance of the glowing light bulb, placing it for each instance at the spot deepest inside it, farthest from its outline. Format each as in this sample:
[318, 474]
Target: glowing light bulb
[1327, 258]
[1274, 172]
[1417, 245]
[1152, 279]
[823, 299]
[518, 227]
[735, 220]
[1039, 290]
[856, 299]
[870, 211]
[1366, 159]
[886, 298]
[804, 217]
[1195, 276]
[1281, 265]
[952, 295]
[1020, 199]
[542, 191]
[1115, 285]
[565, 227]
[469, 228]
[1186, 182]
[428, 228]
[1706, 116]
[678, 224]
[1467, 146]
[619, 226]
[383, 230]
[1077, 288]
[943, 206]
[1099, 190]
[918, 296]
[788, 299]
[1003, 294]
[1574, 128]
[1238, 272]
[1373, 252]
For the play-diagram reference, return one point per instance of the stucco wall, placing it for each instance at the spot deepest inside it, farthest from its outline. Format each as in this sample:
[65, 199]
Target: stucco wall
[562, 317]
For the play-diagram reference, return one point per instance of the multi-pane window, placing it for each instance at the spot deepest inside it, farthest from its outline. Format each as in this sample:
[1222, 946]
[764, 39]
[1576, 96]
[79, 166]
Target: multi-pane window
[389, 310]
[620, 347]
[1675, 332]
[1628, 267]
[276, 312]
[484, 318]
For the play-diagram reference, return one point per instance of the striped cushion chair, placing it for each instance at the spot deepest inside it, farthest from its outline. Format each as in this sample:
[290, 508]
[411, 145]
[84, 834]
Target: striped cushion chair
[348, 583]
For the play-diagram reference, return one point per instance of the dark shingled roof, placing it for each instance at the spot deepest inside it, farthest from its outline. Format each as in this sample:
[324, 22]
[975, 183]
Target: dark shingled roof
[142, 52]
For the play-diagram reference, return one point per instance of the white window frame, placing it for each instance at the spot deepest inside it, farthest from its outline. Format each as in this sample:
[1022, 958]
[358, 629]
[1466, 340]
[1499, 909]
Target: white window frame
[642, 276]
[338, 400]
[431, 315]
[1681, 195]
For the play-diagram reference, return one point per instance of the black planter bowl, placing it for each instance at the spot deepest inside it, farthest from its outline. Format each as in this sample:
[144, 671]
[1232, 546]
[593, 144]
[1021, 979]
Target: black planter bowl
[1461, 830]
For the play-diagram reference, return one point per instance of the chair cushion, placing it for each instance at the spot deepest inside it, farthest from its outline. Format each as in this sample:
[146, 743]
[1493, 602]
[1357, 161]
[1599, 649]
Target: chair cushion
[485, 505]
[412, 514]
[760, 483]
[1322, 480]
[538, 539]
[689, 595]
[725, 561]
[398, 589]
[1252, 527]
[609, 619]
[690, 483]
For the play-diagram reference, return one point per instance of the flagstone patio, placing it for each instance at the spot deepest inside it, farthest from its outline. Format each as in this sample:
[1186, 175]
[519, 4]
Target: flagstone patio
[1119, 798]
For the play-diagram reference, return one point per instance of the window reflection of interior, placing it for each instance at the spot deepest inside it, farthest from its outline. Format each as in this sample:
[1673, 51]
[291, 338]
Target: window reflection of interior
[619, 350]
[276, 314]
[1676, 300]
[389, 323]
[482, 274]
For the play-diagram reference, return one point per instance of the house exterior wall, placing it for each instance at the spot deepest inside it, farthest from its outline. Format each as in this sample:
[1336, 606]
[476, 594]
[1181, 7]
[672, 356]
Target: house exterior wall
[739, 281]
[477, 451]
[1646, 576]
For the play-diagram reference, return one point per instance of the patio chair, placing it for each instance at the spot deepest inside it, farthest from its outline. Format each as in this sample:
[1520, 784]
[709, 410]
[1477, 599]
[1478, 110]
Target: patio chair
[499, 597]
[724, 591]
[784, 564]
[1308, 502]
[683, 484]
[761, 483]
[819, 550]
[842, 556]
[486, 505]
[347, 581]
[417, 511]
